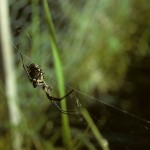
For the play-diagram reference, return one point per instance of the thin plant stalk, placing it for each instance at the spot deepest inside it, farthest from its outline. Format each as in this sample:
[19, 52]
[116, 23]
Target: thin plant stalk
[10, 80]
[102, 142]
[59, 74]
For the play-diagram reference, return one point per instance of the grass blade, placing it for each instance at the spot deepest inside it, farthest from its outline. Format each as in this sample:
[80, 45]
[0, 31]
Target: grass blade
[102, 142]
[10, 76]
[59, 74]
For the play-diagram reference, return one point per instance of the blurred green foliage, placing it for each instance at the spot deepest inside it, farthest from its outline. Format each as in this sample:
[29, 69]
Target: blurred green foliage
[100, 42]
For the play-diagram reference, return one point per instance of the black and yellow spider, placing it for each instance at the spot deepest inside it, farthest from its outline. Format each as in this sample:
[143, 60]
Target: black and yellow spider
[36, 76]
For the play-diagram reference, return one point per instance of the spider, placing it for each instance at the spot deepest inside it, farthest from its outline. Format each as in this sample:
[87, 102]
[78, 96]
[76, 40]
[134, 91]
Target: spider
[36, 76]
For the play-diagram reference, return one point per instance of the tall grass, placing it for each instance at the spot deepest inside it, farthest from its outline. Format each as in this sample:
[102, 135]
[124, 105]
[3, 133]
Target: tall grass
[101, 141]
[10, 76]
[93, 36]
[59, 74]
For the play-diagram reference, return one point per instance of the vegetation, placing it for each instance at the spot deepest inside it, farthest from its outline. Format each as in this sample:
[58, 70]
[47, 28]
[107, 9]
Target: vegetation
[100, 48]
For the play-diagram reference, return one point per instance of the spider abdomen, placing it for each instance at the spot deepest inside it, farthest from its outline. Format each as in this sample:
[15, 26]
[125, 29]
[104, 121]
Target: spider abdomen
[34, 71]
[36, 74]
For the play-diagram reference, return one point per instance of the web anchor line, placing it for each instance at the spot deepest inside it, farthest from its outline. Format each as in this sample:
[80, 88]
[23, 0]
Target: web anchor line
[107, 104]
[114, 107]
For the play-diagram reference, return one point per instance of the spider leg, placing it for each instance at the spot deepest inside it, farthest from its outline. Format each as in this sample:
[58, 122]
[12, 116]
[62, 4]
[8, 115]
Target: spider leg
[51, 98]
[64, 111]
[23, 62]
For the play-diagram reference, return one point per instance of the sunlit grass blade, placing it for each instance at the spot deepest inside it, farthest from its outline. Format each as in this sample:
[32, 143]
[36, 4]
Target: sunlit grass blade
[10, 76]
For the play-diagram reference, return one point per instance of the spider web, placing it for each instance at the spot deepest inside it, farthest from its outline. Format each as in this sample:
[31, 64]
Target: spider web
[123, 128]
[120, 127]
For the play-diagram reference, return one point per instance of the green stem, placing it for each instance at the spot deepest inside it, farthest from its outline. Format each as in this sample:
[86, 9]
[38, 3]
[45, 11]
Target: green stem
[102, 142]
[59, 74]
